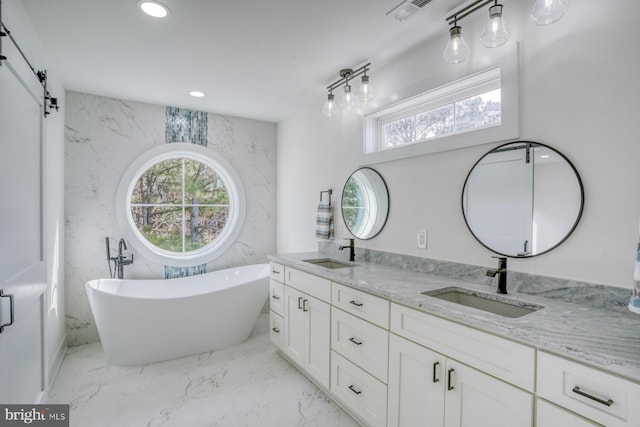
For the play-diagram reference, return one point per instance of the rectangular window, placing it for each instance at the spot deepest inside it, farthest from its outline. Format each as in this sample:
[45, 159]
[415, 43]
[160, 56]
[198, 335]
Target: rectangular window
[477, 109]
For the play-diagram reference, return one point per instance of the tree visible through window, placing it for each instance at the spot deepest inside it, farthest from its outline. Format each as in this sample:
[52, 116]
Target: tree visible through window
[476, 112]
[180, 204]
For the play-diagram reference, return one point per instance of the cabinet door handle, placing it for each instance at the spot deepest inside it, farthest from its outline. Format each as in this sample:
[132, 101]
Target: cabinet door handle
[10, 296]
[356, 303]
[435, 366]
[305, 305]
[276, 330]
[607, 402]
[299, 303]
[449, 383]
[354, 389]
[355, 341]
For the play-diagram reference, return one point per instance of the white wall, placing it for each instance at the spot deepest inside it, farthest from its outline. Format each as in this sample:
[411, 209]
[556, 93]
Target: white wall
[103, 137]
[16, 19]
[578, 93]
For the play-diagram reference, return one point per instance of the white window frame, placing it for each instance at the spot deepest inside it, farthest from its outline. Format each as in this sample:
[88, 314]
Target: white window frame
[503, 76]
[222, 242]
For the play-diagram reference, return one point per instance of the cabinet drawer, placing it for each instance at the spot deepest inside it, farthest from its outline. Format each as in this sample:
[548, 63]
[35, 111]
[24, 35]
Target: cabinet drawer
[276, 297]
[277, 272]
[502, 358]
[308, 283]
[364, 344]
[359, 391]
[548, 415]
[368, 307]
[276, 333]
[594, 394]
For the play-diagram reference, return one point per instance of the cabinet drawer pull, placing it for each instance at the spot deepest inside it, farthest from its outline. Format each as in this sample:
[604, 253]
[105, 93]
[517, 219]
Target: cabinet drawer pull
[11, 310]
[274, 296]
[356, 303]
[607, 402]
[276, 330]
[305, 305]
[274, 271]
[355, 390]
[435, 365]
[299, 303]
[449, 384]
[355, 341]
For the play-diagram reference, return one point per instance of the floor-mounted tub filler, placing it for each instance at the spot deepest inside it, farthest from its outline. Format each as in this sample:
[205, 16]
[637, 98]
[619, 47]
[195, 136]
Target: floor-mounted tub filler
[145, 321]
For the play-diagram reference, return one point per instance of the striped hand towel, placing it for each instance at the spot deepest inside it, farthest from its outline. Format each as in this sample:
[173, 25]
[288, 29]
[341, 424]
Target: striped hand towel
[324, 221]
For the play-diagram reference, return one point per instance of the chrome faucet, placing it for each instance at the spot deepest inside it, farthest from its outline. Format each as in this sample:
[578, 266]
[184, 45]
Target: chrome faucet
[352, 249]
[502, 271]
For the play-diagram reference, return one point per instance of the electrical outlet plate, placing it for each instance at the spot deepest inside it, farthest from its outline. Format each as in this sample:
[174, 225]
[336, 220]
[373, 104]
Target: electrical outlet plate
[422, 239]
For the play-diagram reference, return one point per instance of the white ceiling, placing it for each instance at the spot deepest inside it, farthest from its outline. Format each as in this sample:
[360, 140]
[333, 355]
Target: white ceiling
[258, 59]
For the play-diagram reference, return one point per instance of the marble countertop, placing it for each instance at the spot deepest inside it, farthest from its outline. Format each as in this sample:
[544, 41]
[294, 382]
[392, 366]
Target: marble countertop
[605, 339]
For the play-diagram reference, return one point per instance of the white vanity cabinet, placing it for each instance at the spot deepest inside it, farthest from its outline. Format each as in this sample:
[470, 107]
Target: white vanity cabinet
[276, 305]
[431, 388]
[307, 323]
[359, 353]
[549, 415]
[596, 395]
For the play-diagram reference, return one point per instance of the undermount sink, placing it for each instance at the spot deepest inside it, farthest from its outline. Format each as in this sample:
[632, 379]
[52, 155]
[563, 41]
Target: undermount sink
[486, 302]
[329, 263]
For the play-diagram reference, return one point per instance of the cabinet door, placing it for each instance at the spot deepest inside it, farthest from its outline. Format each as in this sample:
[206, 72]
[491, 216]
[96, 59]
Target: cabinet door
[317, 344]
[294, 327]
[548, 415]
[474, 399]
[416, 385]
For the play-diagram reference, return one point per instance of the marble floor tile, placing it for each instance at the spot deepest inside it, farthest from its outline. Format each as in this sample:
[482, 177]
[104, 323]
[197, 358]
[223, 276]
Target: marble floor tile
[246, 385]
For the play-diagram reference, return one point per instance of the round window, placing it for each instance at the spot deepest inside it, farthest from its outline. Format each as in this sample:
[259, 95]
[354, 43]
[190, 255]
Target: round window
[180, 204]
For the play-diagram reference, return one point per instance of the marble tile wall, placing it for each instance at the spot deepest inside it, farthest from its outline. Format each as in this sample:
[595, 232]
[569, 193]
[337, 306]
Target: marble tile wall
[584, 293]
[102, 137]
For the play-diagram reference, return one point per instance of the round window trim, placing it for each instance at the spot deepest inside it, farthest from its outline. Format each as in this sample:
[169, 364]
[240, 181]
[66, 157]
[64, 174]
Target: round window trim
[231, 180]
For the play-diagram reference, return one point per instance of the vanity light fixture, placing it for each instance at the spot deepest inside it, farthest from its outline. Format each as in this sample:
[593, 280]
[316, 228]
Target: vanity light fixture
[153, 8]
[546, 12]
[349, 101]
[495, 33]
[196, 93]
[457, 49]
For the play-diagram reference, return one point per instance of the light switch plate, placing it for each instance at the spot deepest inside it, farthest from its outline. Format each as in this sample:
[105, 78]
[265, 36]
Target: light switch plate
[422, 239]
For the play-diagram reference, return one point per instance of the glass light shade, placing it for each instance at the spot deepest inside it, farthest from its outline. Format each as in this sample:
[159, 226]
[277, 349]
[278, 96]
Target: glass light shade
[366, 93]
[457, 49]
[348, 100]
[546, 12]
[495, 33]
[330, 106]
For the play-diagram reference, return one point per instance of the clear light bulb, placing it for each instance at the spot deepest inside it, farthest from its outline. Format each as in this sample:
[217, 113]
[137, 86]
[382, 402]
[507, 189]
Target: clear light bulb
[546, 12]
[496, 33]
[366, 93]
[330, 106]
[457, 49]
[348, 100]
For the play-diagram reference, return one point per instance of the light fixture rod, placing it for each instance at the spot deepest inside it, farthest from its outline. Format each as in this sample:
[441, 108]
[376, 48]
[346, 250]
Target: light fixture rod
[350, 76]
[468, 10]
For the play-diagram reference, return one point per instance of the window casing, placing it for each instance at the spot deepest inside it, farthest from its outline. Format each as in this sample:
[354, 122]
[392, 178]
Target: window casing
[180, 204]
[474, 110]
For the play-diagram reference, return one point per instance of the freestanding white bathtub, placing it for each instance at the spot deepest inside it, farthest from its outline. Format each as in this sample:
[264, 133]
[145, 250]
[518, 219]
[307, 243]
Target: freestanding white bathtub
[145, 321]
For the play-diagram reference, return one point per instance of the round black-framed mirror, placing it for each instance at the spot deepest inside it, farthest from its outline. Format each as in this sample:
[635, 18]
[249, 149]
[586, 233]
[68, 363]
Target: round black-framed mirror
[522, 199]
[365, 203]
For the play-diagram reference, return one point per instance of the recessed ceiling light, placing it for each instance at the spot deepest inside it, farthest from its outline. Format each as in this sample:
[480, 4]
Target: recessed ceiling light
[153, 8]
[196, 93]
